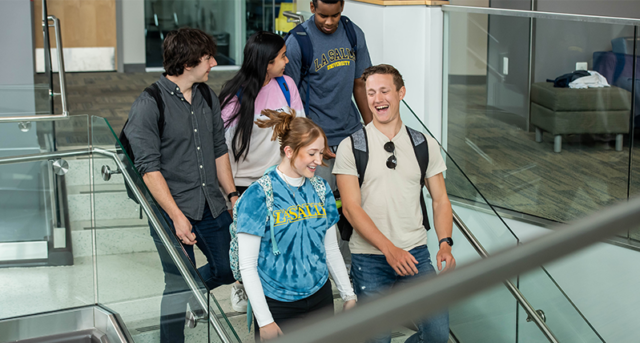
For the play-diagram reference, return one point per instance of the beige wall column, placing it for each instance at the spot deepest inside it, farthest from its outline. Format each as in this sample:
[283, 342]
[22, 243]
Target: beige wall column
[88, 31]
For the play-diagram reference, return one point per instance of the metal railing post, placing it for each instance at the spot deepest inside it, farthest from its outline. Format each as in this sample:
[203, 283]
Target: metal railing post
[62, 78]
[531, 311]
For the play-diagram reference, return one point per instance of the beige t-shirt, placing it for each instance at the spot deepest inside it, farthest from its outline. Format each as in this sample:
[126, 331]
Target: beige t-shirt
[391, 197]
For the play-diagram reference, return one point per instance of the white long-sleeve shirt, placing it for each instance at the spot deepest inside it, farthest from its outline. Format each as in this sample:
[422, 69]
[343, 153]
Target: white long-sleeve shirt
[249, 251]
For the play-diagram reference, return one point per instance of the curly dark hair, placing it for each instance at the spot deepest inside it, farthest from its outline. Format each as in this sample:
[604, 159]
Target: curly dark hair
[184, 48]
[315, 2]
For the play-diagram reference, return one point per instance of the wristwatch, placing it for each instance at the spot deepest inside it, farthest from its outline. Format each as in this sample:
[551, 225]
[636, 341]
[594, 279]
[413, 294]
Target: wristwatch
[232, 194]
[448, 240]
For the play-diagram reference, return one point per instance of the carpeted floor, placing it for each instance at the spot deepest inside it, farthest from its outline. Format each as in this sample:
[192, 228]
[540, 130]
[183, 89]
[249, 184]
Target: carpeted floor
[110, 95]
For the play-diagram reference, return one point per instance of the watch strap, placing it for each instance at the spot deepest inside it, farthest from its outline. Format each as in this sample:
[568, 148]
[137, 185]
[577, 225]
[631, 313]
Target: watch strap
[448, 240]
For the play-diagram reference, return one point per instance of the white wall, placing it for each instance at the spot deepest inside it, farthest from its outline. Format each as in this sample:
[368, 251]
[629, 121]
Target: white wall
[133, 32]
[410, 39]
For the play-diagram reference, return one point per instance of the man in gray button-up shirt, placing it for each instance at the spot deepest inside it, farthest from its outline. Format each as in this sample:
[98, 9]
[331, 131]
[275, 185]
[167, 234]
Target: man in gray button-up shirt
[185, 166]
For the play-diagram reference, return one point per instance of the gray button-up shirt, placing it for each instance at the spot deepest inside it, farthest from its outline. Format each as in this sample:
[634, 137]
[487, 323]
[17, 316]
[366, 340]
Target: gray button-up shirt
[192, 140]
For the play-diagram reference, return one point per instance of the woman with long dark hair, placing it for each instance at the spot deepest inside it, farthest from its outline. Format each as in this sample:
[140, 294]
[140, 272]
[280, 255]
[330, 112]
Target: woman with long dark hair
[259, 85]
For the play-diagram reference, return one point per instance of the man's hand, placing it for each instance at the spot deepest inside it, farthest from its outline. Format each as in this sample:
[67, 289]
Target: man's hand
[270, 331]
[444, 254]
[401, 261]
[183, 230]
[328, 154]
[349, 305]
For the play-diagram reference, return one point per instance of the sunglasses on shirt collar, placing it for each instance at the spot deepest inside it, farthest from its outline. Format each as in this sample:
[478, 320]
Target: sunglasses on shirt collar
[392, 162]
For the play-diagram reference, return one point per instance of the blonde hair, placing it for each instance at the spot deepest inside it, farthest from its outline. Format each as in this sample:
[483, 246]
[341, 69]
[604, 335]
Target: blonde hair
[294, 132]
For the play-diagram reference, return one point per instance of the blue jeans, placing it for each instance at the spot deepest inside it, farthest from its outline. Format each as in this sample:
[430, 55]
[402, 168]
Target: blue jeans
[373, 277]
[213, 239]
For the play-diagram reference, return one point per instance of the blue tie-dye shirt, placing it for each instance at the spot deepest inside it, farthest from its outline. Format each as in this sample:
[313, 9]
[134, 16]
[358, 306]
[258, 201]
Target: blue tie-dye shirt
[300, 226]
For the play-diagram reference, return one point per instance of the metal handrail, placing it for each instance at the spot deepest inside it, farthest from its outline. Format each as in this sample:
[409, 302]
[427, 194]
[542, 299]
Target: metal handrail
[542, 15]
[164, 236]
[531, 311]
[61, 75]
[166, 241]
[430, 296]
[293, 17]
[43, 156]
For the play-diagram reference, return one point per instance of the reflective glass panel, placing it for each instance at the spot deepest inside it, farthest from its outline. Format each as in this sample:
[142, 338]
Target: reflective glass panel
[163, 282]
[215, 17]
[550, 152]
[40, 203]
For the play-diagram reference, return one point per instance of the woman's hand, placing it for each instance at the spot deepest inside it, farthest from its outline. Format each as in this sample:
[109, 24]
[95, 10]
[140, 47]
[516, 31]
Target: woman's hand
[270, 331]
[349, 305]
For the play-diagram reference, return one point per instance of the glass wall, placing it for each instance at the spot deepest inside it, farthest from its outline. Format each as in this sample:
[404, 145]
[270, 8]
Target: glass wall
[554, 150]
[216, 17]
[230, 22]
[494, 315]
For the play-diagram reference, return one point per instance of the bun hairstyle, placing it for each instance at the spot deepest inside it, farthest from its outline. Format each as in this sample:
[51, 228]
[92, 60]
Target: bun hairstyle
[292, 131]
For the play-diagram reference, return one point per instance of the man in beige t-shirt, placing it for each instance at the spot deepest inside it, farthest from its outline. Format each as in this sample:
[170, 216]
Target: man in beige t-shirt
[389, 242]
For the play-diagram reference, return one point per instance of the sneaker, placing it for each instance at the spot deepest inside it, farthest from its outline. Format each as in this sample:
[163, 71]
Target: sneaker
[238, 298]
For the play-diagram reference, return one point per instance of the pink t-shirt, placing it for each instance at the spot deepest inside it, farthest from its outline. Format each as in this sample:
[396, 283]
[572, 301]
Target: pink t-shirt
[263, 152]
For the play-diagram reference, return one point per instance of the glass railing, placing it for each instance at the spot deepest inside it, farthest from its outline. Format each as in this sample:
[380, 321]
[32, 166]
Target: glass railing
[38, 271]
[495, 315]
[530, 146]
[29, 99]
[125, 242]
[70, 238]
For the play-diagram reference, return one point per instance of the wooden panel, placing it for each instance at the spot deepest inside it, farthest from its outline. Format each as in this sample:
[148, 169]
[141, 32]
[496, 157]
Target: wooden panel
[84, 23]
[405, 2]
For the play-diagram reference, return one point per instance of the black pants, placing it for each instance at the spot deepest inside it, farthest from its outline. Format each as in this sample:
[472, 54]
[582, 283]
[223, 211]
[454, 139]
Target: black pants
[287, 313]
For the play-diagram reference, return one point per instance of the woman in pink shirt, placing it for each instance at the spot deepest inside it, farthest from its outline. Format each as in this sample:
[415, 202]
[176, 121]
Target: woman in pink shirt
[258, 85]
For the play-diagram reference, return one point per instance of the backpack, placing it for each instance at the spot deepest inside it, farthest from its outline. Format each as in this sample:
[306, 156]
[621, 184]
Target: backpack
[283, 86]
[300, 34]
[267, 187]
[563, 81]
[155, 93]
[359, 146]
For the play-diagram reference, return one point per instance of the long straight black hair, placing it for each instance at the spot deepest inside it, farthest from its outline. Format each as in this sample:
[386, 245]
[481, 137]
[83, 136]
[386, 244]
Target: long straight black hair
[261, 49]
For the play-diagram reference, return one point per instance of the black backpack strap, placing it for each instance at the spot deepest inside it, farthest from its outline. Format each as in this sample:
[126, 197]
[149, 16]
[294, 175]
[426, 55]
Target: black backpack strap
[155, 93]
[421, 149]
[204, 90]
[306, 49]
[351, 32]
[360, 148]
